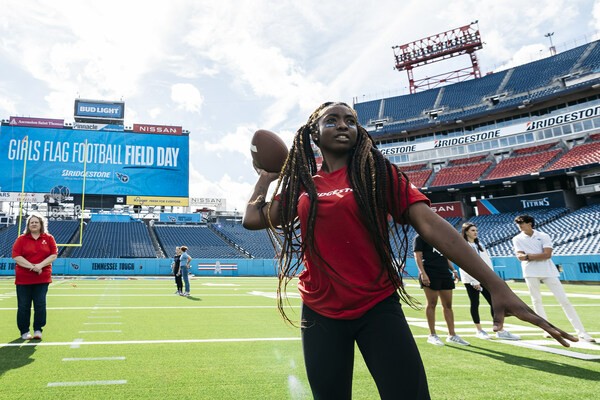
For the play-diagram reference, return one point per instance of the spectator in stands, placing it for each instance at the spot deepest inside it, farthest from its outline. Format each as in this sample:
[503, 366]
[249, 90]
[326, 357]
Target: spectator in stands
[175, 268]
[349, 271]
[437, 281]
[474, 288]
[534, 249]
[33, 252]
[184, 269]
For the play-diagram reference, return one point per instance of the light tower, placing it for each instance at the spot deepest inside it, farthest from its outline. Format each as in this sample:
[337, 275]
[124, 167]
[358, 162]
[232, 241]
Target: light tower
[453, 43]
[552, 48]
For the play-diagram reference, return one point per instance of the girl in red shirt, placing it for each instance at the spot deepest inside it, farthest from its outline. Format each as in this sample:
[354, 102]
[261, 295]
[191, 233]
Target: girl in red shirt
[33, 251]
[349, 258]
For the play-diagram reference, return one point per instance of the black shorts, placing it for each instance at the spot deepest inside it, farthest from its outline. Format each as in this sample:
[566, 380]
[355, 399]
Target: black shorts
[439, 283]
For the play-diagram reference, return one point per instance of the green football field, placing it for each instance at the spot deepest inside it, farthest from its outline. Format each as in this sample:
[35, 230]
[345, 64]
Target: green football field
[134, 339]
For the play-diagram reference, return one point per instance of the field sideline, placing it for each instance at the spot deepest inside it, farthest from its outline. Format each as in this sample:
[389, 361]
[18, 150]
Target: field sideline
[134, 339]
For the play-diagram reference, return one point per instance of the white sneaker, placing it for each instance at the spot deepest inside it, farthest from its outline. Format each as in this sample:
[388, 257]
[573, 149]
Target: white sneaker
[482, 335]
[434, 340]
[37, 335]
[186, 294]
[587, 338]
[506, 335]
[457, 340]
[26, 336]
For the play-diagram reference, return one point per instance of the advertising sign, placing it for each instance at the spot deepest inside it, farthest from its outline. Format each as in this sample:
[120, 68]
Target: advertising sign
[37, 122]
[521, 203]
[218, 204]
[23, 197]
[179, 218]
[97, 127]
[157, 201]
[158, 129]
[123, 163]
[99, 109]
[449, 209]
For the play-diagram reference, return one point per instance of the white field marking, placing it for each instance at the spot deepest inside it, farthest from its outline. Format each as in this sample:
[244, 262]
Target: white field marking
[535, 346]
[103, 316]
[103, 323]
[150, 295]
[273, 295]
[119, 331]
[173, 341]
[76, 343]
[550, 294]
[98, 310]
[152, 308]
[95, 359]
[87, 383]
[469, 331]
[220, 284]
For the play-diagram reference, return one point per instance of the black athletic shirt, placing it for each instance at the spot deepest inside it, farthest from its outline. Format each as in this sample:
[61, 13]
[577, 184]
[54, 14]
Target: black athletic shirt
[434, 262]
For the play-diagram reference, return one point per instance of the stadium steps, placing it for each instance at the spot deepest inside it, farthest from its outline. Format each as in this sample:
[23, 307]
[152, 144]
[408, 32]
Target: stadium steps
[584, 56]
[239, 248]
[439, 98]
[505, 80]
[157, 247]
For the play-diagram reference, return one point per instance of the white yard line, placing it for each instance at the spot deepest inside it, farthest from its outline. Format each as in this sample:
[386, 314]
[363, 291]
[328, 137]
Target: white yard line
[80, 342]
[87, 383]
[95, 359]
[534, 345]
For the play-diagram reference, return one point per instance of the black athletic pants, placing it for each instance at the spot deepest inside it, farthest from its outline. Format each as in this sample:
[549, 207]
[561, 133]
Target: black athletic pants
[178, 281]
[474, 299]
[387, 346]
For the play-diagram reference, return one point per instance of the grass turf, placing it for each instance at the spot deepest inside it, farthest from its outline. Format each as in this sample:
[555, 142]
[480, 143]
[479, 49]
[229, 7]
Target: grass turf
[130, 339]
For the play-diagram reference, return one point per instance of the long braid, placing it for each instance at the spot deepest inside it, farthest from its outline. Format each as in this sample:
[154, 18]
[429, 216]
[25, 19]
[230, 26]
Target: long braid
[371, 177]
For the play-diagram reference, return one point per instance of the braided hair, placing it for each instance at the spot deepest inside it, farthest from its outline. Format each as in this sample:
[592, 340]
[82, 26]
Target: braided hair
[371, 177]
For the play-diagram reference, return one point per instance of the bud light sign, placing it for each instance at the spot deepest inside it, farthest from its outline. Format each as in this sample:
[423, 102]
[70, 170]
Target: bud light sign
[97, 109]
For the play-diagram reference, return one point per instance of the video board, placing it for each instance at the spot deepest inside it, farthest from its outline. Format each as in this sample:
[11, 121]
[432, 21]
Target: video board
[42, 160]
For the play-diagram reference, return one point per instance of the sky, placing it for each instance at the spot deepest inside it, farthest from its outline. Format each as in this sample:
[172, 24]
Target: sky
[223, 69]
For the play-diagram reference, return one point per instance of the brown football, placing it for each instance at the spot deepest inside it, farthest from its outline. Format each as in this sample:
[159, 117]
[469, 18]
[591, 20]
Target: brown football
[268, 151]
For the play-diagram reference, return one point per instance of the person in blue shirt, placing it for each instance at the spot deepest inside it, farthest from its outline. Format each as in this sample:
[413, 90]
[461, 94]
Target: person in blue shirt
[184, 264]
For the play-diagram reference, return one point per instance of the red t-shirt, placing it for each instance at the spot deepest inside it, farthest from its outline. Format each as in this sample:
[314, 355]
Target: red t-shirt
[356, 280]
[35, 251]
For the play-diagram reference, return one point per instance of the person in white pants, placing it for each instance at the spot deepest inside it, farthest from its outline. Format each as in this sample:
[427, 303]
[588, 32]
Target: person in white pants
[534, 249]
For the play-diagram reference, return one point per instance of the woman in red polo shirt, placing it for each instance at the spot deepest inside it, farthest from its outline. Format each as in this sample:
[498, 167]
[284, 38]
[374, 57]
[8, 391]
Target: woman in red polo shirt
[33, 252]
[349, 258]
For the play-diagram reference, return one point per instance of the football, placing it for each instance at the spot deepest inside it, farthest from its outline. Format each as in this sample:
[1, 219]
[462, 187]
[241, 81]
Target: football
[268, 151]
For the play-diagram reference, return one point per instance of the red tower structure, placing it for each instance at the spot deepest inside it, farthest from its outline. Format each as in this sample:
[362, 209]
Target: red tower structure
[445, 45]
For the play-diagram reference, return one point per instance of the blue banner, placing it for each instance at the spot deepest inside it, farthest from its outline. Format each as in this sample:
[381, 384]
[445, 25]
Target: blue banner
[123, 163]
[179, 218]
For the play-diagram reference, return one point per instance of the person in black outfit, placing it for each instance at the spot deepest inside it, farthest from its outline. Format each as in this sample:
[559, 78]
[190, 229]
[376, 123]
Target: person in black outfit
[177, 271]
[437, 277]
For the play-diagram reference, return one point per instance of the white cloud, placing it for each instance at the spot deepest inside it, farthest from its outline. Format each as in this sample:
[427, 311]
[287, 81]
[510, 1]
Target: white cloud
[187, 97]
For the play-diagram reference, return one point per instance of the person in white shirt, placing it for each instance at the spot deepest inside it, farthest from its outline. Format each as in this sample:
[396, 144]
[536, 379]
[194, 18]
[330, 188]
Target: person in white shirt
[534, 249]
[474, 288]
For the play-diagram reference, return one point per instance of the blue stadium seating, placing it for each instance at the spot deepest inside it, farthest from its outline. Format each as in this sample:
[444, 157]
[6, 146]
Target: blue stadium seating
[405, 107]
[115, 240]
[256, 243]
[471, 92]
[537, 74]
[368, 111]
[202, 242]
[62, 231]
[592, 62]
